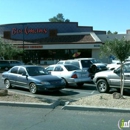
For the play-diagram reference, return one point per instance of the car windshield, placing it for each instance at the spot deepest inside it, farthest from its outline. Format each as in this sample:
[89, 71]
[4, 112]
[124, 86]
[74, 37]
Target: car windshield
[71, 67]
[35, 71]
[95, 61]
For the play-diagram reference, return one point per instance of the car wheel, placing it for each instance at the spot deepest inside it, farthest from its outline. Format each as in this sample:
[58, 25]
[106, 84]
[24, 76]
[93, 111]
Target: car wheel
[102, 86]
[33, 88]
[67, 85]
[94, 69]
[7, 84]
[80, 84]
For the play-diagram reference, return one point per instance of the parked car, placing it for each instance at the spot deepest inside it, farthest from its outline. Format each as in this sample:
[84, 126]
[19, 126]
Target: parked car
[7, 64]
[112, 66]
[70, 73]
[34, 78]
[111, 78]
[90, 64]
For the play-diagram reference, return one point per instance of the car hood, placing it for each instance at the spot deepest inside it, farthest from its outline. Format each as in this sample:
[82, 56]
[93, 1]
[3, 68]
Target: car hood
[99, 64]
[46, 77]
[102, 73]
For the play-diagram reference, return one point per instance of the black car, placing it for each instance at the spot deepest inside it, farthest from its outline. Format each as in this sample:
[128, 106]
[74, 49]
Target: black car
[34, 78]
[7, 64]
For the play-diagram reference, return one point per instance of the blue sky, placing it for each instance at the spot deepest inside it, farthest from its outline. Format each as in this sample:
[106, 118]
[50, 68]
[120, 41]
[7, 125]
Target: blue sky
[113, 15]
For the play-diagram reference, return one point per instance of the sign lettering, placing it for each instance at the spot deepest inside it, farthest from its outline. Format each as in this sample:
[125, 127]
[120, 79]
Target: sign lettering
[28, 31]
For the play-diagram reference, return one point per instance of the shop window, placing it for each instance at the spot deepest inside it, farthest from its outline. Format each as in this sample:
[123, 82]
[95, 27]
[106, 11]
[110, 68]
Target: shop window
[7, 34]
[53, 33]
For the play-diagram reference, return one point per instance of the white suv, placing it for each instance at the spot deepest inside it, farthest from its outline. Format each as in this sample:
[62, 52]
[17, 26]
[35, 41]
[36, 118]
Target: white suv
[90, 64]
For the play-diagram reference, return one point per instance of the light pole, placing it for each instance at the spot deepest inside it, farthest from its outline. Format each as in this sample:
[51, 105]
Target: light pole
[23, 37]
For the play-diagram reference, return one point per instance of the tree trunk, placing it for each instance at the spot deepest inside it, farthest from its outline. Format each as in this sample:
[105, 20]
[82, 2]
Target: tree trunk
[122, 79]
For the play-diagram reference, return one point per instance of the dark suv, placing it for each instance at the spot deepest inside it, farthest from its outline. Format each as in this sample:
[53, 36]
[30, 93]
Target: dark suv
[7, 64]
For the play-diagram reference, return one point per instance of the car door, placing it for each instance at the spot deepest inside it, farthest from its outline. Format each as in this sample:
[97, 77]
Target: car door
[22, 80]
[57, 71]
[127, 75]
[13, 76]
[114, 77]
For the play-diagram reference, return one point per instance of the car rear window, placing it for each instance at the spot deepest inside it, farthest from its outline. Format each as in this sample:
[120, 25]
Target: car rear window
[50, 68]
[60, 62]
[71, 67]
[75, 63]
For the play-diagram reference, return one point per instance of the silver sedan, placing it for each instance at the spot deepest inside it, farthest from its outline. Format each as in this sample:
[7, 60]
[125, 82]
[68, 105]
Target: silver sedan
[70, 73]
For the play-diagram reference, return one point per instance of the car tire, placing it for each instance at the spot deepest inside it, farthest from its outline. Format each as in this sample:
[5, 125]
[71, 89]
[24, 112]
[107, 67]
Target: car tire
[94, 69]
[67, 85]
[33, 88]
[7, 84]
[102, 86]
[80, 84]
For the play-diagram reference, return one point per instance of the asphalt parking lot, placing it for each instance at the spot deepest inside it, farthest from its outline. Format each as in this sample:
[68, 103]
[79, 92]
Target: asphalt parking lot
[70, 93]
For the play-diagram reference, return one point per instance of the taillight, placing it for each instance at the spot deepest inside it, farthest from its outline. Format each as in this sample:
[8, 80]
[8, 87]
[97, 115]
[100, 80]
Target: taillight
[74, 76]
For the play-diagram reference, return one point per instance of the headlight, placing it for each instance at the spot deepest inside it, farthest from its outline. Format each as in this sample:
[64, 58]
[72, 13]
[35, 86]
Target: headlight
[45, 83]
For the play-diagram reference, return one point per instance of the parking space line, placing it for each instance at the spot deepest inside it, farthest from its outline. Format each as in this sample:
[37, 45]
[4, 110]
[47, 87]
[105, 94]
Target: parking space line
[92, 92]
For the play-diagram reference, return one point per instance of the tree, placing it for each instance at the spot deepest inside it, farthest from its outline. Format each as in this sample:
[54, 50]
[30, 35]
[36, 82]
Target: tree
[8, 50]
[109, 32]
[59, 18]
[121, 50]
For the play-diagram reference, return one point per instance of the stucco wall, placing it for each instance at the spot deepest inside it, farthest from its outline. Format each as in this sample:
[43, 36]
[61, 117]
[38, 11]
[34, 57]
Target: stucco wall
[96, 54]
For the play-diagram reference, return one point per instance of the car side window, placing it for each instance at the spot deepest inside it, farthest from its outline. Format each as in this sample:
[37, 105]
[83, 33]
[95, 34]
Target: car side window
[127, 68]
[58, 68]
[14, 70]
[86, 63]
[4, 62]
[21, 71]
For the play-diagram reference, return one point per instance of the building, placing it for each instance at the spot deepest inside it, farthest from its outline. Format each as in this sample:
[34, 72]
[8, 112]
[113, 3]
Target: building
[48, 42]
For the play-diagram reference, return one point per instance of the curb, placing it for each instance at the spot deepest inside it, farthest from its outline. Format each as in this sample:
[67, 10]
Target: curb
[51, 104]
[64, 103]
[94, 108]
[26, 104]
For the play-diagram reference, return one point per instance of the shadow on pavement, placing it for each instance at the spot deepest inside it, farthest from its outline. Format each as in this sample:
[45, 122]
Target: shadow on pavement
[84, 87]
[56, 93]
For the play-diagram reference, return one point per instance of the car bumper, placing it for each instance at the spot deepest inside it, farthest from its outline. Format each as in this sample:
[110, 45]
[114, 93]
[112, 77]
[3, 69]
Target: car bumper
[78, 80]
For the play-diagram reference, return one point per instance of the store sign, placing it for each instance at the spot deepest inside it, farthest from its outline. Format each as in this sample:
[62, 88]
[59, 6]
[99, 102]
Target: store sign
[96, 45]
[29, 31]
[31, 46]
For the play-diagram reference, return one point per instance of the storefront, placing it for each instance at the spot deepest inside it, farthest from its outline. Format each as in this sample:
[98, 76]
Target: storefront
[48, 42]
